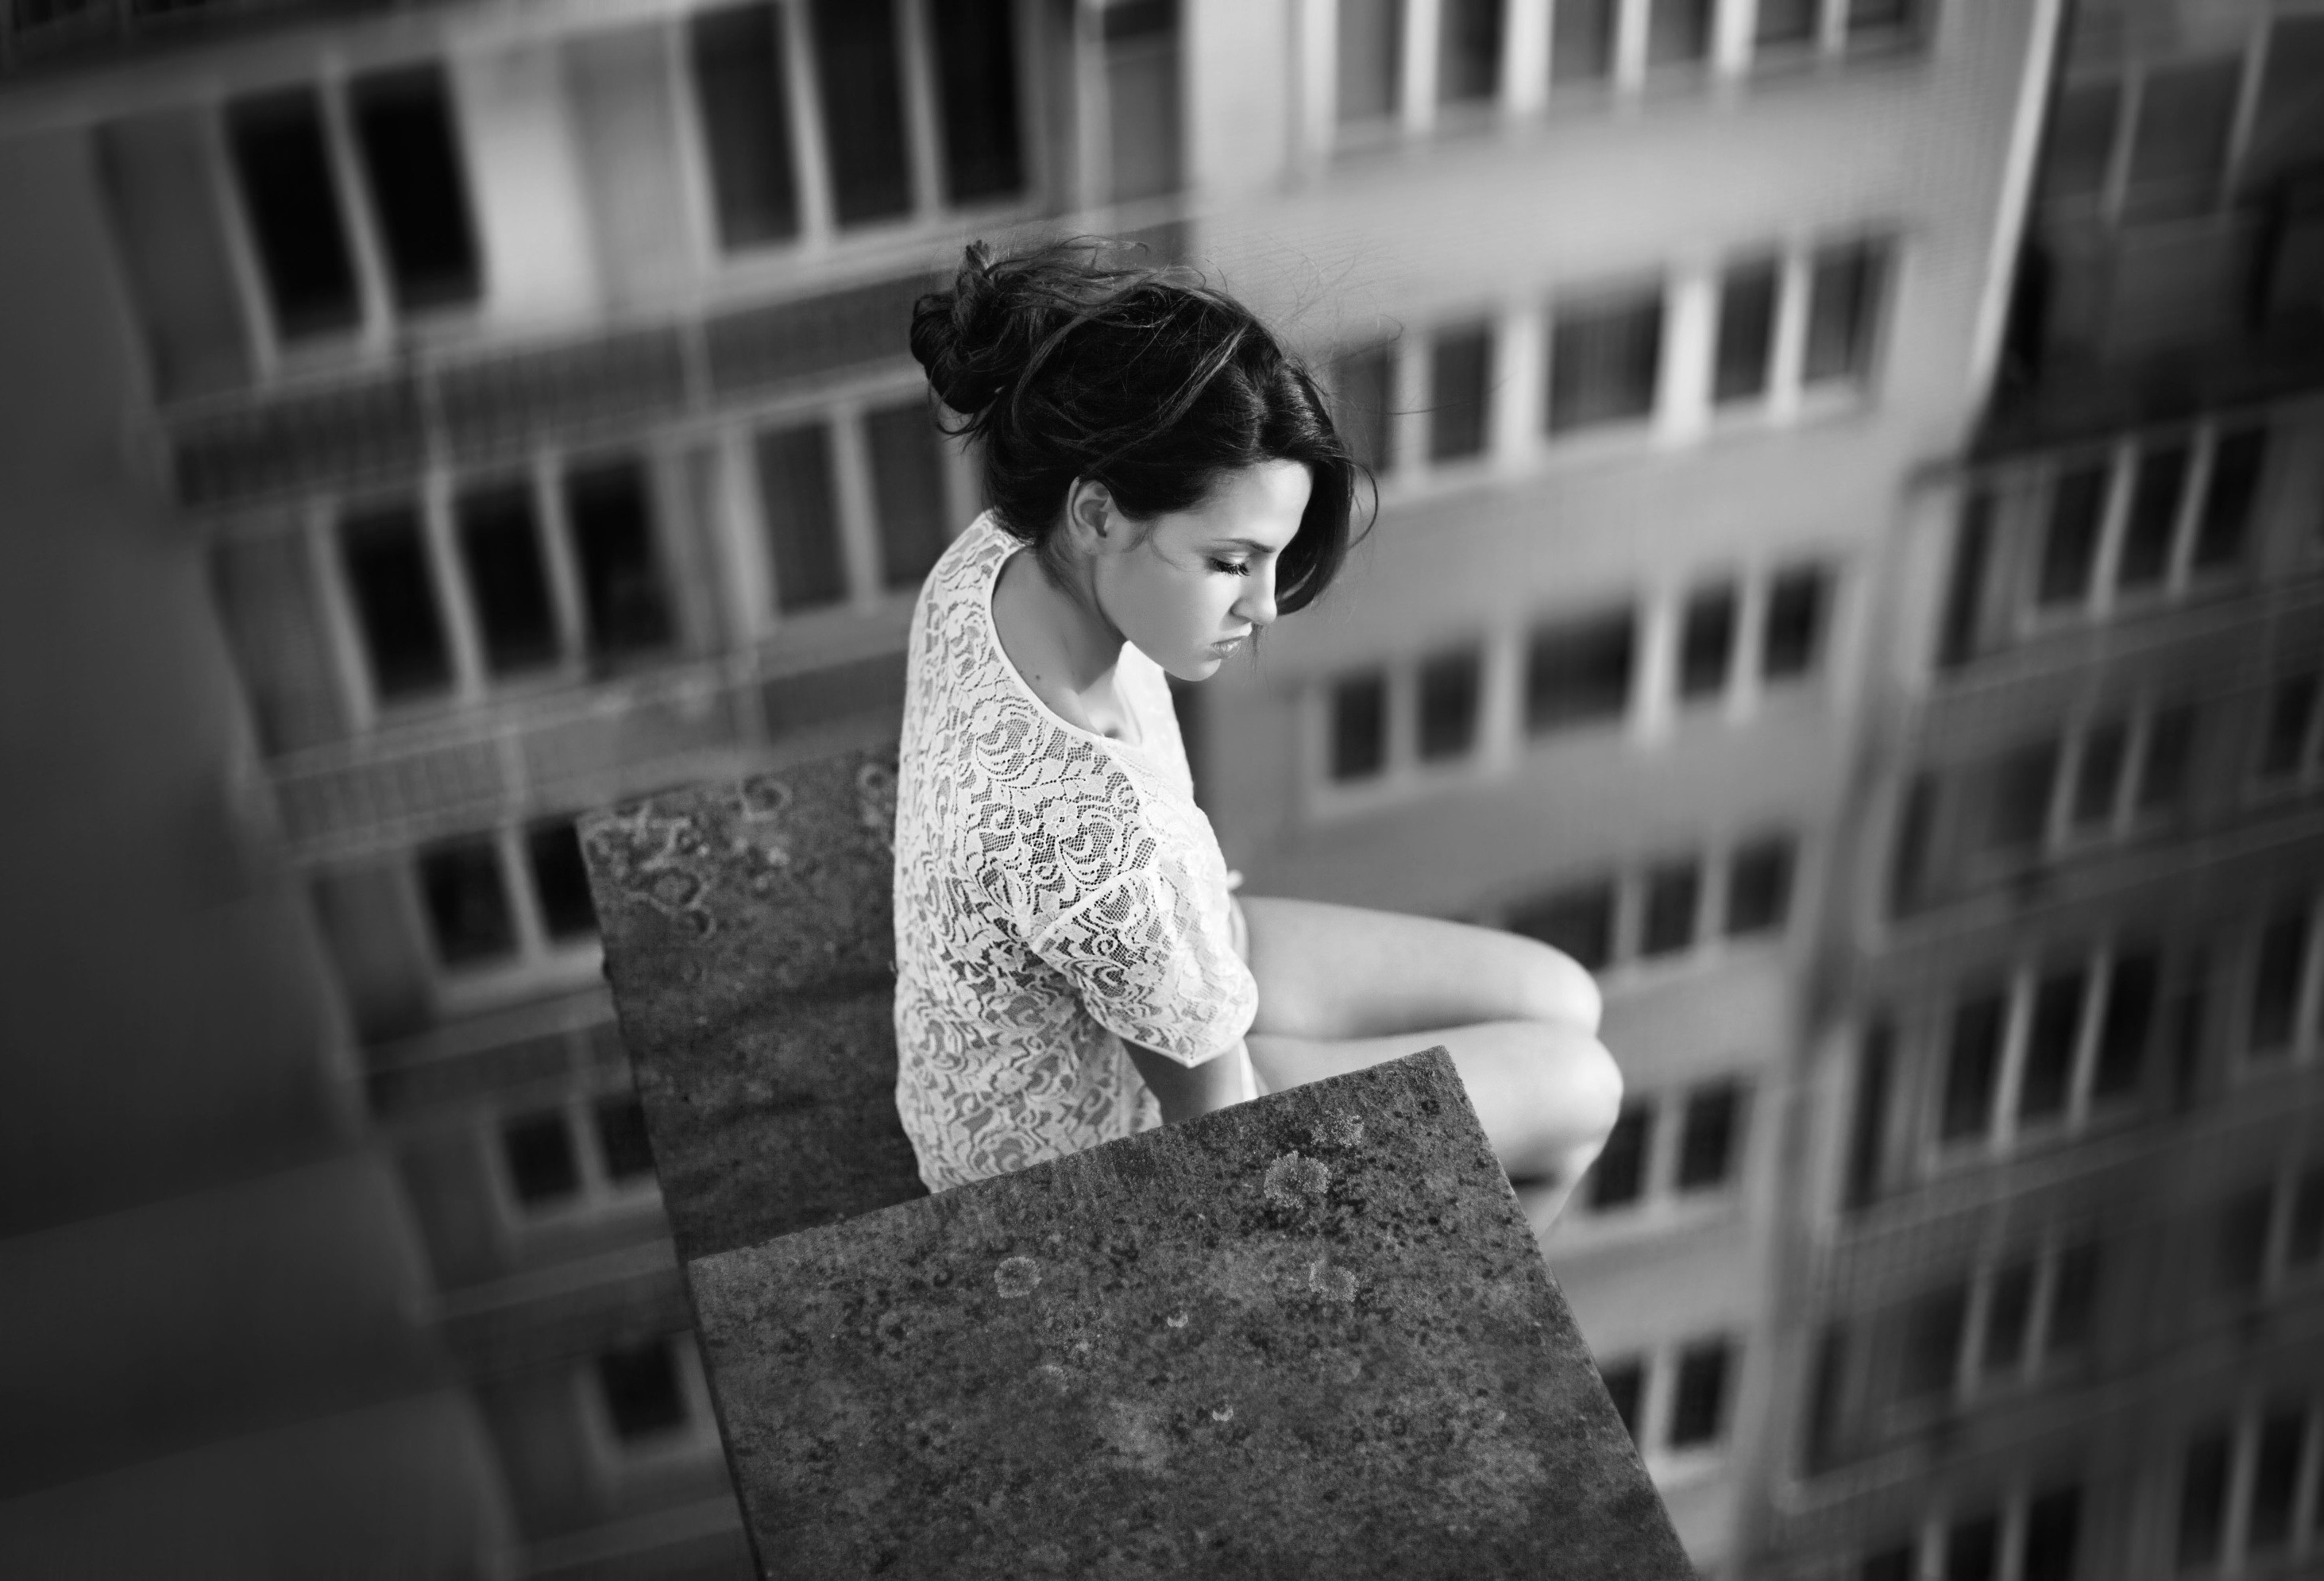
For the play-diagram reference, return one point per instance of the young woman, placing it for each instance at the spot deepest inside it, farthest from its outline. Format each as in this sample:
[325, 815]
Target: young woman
[1071, 966]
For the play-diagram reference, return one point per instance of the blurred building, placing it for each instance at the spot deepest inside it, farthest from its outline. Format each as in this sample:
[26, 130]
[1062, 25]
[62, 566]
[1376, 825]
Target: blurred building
[2055, 1300]
[1647, 314]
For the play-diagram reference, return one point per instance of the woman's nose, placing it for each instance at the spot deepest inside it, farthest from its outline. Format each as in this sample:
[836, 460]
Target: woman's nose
[1257, 604]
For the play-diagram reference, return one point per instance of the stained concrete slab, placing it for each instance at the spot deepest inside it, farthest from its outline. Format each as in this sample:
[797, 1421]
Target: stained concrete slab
[749, 942]
[1312, 1335]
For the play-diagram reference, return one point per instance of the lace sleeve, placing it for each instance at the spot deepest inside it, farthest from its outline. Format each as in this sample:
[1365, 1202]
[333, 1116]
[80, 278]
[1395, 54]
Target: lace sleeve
[1154, 967]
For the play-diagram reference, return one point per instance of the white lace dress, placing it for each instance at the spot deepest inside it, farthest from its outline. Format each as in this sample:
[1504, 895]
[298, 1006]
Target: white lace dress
[1057, 892]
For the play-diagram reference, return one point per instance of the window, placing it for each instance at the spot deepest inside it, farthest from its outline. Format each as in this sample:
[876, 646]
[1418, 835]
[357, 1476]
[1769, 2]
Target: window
[1965, 595]
[2052, 1531]
[1672, 897]
[2279, 969]
[285, 156]
[1697, 1413]
[1871, 22]
[1901, 1563]
[2023, 780]
[2070, 544]
[1363, 383]
[2276, 1483]
[1459, 379]
[1972, 1066]
[1706, 1136]
[1619, 1177]
[641, 1390]
[1450, 684]
[2044, 1528]
[2051, 1039]
[1678, 31]
[1795, 617]
[1844, 291]
[2052, 1046]
[2237, 461]
[623, 596]
[1746, 321]
[1468, 50]
[2170, 744]
[2079, 148]
[1371, 59]
[798, 498]
[1625, 1382]
[1605, 358]
[507, 578]
[1973, 1549]
[864, 74]
[1359, 725]
[2178, 145]
[1579, 672]
[1582, 40]
[466, 902]
[2104, 747]
[1786, 21]
[907, 484]
[1933, 1328]
[1579, 920]
[1706, 641]
[477, 917]
[549, 1167]
[560, 879]
[2203, 1499]
[2008, 1314]
[2126, 1021]
[539, 1149]
[395, 597]
[622, 1138]
[1760, 887]
[2157, 489]
[2289, 744]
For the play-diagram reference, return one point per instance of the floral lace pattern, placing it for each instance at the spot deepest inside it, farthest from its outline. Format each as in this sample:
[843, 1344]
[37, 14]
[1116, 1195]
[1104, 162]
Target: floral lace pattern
[1056, 893]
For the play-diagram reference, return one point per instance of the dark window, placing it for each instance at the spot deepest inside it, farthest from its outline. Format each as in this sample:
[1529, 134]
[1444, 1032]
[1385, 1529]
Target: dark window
[1460, 373]
[2008, 1311]
[2022, 783]
[641, 1389]
[467, 907]
[740, 87]
[2126, 1023]
[2097, 778]
[1678, 31]
[2179, 148]
[622, 1138]
[2070, 544]
[2203, 1499]
[908, 490]
[418, 194]
[499, 546]
[1582, 40]
[560, 879]
[539, 1152]
[2146, 539]
[976, 82]
[1625, 1382]
[1786, 21]
[1795, 611]
[2242, 1245]
[1468, 50]
[1875, 1062]
[1674, 891]
[1604, 360]
[1699, 1412]
[1746, 326]
[1706, 641]
[1932, 1337]
[1141, 97]
[2163, 773]
[2236, 461]
[622, 589]
[2074, 1299]
[1363, 387]
[2307, 1220]
[2275, 1485]
[1578, 920]
[863, 109]
[802, 517]
[395, 603]
[1448, 684]
[2081, 143]
[2289, 711]
[1706, 1147]
[1972, 1062]
[1908, 872]
[2052, 1528]
[2277, 966]
[1844, 285]
[1579, 671]
[284, 173]
[1957, 644]
[1900, 1563]
[1370, 58]
[2050, 1041]
[1973, 1549]
[1359, 725]
[1619, 1175]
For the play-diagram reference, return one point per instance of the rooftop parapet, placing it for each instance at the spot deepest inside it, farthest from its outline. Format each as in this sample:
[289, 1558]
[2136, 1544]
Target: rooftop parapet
[1308, 1336]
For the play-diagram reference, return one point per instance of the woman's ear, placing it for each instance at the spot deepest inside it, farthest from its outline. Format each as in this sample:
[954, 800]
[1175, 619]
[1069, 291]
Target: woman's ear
[1092, 522]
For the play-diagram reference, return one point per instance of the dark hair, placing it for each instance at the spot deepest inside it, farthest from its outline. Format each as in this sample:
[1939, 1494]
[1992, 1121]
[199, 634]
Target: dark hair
[1064, 365]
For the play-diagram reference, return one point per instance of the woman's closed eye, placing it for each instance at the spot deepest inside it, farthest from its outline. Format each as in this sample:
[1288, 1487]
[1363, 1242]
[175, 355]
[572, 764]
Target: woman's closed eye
[1231, 568]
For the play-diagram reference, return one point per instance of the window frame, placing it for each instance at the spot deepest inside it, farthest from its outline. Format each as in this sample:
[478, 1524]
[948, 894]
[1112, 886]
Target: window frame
[536, 962]
[596, 1190]
[609, 1460]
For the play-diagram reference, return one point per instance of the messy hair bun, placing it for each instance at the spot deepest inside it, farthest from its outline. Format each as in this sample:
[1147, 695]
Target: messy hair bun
[1066, 365]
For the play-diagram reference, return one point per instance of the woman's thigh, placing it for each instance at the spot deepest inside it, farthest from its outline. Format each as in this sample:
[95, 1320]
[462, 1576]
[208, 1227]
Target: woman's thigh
[1347, 972]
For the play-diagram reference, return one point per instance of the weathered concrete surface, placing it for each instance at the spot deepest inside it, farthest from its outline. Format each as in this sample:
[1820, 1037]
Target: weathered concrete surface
[1307, 1336]
[749, 942]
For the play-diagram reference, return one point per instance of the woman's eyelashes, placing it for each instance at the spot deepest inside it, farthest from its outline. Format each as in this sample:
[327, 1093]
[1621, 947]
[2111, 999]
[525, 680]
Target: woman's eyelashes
[1231, 568]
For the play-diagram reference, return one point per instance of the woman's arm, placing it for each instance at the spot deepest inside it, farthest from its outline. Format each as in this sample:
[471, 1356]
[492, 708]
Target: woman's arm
[1185, 1091]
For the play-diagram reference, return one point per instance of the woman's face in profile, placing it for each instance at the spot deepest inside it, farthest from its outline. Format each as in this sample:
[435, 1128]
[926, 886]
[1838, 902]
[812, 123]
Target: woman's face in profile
[1196, 584]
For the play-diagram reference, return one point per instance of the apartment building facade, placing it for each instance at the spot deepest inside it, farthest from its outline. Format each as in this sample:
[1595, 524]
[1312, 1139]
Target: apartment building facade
[2053, 1306]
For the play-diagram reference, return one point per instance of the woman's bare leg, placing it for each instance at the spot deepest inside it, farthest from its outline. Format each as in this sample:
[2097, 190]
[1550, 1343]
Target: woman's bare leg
[1341, 987]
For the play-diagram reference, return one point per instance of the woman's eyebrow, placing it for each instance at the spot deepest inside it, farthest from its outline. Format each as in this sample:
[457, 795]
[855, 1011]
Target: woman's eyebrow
[1252, 544]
